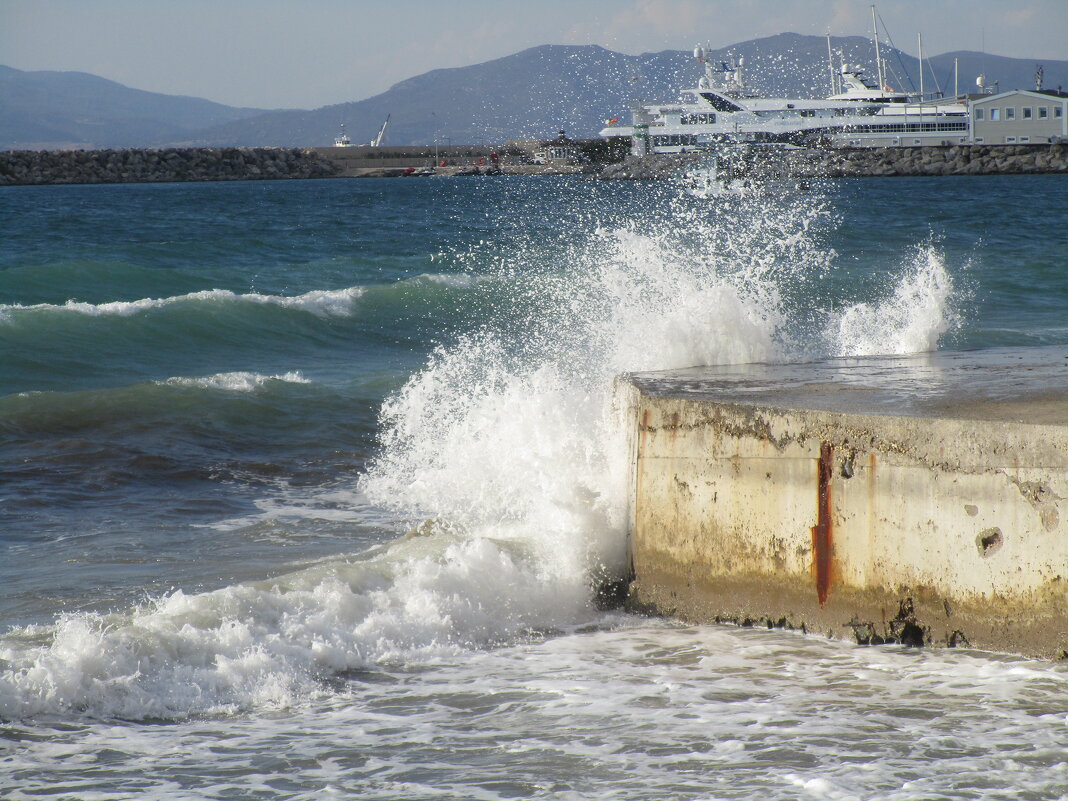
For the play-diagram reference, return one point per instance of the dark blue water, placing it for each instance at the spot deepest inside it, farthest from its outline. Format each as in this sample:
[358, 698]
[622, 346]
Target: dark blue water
[195, 454]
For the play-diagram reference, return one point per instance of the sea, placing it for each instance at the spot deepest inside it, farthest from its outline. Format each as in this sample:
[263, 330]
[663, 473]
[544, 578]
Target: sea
[307, 488]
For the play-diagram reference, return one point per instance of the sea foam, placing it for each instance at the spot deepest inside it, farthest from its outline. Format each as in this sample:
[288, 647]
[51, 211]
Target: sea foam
[269, 644]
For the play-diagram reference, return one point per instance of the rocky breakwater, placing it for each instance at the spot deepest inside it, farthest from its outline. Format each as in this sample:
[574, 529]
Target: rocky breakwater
[756, 161]
[23, 167]
[913, 161]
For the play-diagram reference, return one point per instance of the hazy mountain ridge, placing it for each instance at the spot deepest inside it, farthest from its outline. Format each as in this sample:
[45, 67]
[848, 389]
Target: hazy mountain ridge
[76, 107]
[530, 94]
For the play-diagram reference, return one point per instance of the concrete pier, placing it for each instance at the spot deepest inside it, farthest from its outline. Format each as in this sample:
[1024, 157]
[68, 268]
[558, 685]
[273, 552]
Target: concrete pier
[920, 500]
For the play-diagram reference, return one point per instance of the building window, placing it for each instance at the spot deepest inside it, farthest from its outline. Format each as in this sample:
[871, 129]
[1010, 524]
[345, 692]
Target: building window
[1025, 139]
[1010, 140]
[1058, 112]
[1025, 112]
[1043, 112]
[979, 114]
[978, 140]
[995, 114]
[1010, 113]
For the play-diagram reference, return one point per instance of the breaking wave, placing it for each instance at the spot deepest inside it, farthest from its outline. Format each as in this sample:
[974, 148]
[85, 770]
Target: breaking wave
[320, 302]
[504, 455]
[241, 381]
[910, 319]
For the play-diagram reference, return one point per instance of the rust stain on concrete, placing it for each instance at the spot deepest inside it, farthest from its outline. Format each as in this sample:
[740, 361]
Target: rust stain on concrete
[822, 545]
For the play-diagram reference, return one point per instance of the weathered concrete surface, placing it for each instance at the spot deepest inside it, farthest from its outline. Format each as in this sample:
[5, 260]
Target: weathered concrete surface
[918, 500]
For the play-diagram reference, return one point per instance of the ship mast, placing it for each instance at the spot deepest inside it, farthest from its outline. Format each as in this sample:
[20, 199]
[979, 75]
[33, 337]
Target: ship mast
[878, 57]
[919, 42]
[830, 65]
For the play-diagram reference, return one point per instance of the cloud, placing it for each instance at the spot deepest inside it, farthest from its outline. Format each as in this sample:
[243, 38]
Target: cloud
[1022, 17]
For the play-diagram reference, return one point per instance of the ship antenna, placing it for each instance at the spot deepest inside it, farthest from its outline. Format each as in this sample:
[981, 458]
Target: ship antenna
[830, 65]
[878, 57]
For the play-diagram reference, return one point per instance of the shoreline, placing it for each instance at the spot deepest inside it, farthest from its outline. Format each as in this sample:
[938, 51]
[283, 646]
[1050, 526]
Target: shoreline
[36, 168]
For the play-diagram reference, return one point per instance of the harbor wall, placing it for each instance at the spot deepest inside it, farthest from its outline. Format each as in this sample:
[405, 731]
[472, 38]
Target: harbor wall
[918, 530]
[21, 167]
[24, 167]
[873, 162]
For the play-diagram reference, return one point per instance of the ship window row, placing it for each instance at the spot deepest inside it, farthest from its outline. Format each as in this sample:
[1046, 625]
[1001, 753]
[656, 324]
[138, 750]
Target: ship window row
[720, 103]
[699, 119]
[1026, 112]
[911, 127]
[672, 140]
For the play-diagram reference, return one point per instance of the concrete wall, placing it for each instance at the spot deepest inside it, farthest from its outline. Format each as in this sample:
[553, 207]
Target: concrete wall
[913, 529]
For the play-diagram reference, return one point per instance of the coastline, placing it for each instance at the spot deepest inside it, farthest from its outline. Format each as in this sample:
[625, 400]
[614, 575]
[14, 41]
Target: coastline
[24, 168]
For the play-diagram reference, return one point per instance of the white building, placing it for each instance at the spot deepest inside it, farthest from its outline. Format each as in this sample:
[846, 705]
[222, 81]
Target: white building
[1020, 117]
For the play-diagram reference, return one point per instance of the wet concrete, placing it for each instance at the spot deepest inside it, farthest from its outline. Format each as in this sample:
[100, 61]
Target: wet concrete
[1009, 384]
[917, 500]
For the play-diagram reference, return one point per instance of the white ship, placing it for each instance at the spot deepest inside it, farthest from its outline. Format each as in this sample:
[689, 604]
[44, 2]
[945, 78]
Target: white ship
[723, 108]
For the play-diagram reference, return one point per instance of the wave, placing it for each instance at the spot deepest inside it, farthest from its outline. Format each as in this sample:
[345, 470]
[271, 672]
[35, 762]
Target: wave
[90, 279]
[910, 319]
[451, 280]
[272, 643]
[320, 302]
[514, 431]
[507, 451]
[241, 381]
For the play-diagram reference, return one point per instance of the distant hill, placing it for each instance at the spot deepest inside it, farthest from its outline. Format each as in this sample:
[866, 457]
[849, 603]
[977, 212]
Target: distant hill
[51, 110]
[1007, 73]
[539, 91]
[530, 94]
[536, 92]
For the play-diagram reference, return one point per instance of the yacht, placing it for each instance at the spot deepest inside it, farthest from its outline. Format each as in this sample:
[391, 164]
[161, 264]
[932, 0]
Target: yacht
[724, 109]
[901, 119]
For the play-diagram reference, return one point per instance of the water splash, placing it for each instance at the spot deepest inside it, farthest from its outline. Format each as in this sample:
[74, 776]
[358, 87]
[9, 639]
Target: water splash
[909, 319]
[505, 454]
[510, 431]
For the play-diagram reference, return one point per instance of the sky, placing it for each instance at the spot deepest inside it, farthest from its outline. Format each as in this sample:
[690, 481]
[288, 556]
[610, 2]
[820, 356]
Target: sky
[288, 54]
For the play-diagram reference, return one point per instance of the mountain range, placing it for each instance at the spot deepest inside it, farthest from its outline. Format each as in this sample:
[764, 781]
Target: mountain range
[530, 94]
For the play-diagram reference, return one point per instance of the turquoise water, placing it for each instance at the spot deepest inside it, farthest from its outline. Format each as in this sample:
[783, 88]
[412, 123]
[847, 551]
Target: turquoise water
[304, 486]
